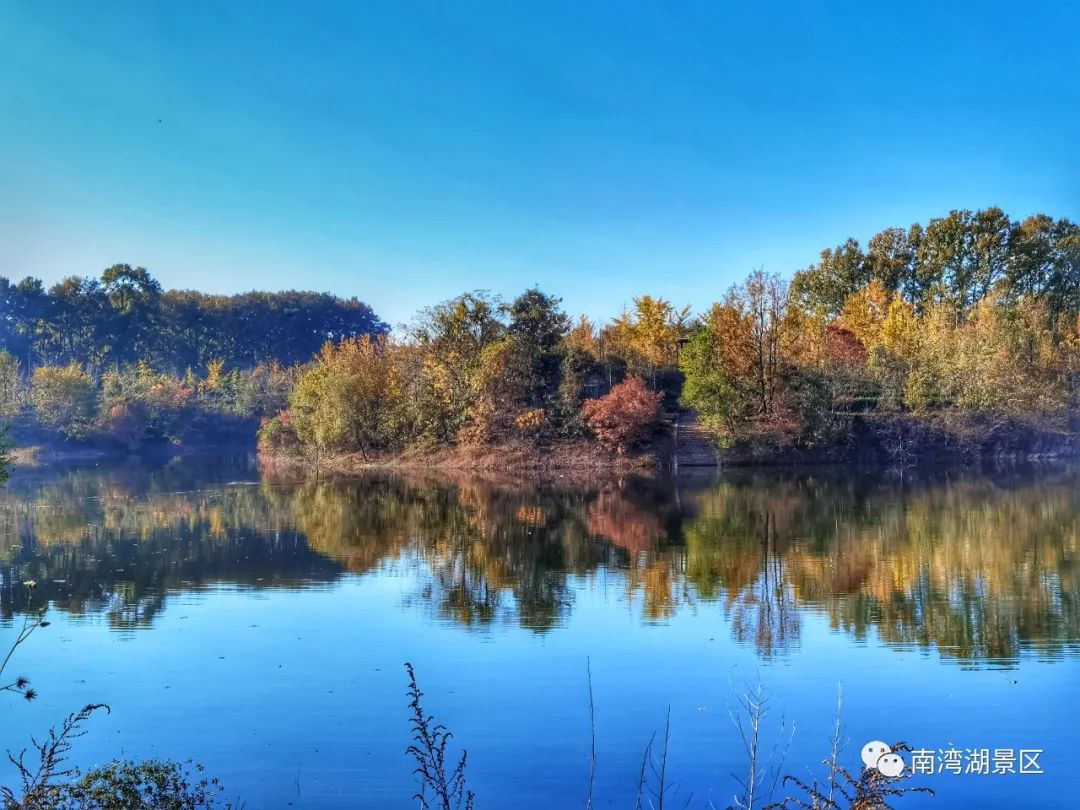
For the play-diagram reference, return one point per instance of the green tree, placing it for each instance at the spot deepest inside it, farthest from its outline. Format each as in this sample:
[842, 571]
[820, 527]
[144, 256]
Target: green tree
[947, 261]
[1045, 262]
[741, 370]
[890, 258]
[78, 325]
[537, 328]
[126, 316]
[825, 286]
[709, 387]
[991, 232]
[136, 326]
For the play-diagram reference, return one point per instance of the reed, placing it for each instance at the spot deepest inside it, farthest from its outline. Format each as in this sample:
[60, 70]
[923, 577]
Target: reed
[444, 785]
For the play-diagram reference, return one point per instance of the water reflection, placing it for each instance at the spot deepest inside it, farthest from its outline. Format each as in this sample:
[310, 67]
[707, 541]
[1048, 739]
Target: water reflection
[980, 568]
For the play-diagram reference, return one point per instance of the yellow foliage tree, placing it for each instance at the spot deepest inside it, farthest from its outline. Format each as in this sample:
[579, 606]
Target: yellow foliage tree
[864, 312]
[345, 400]
[64, 399]
[648, 335]
[215, 370]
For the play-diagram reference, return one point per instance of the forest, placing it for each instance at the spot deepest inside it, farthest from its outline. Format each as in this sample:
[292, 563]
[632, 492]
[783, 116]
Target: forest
[125, 317]
[118, 359]
[971, 319]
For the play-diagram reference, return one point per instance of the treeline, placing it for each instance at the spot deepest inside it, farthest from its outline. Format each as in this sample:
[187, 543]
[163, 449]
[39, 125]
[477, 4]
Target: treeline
[476, 370]
[126, 317]
[972, 318]
[970, 315]
[122, 360]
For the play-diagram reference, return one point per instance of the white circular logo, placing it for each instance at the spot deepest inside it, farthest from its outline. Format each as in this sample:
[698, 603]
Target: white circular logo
[890, 765]
[880, 757]
[873, 751]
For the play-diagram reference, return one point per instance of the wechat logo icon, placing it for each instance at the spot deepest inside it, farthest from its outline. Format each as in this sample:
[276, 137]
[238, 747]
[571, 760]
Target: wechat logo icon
[880, 757]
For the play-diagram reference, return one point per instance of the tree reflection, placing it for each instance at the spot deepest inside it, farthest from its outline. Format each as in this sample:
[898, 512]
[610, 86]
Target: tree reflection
[978, 568]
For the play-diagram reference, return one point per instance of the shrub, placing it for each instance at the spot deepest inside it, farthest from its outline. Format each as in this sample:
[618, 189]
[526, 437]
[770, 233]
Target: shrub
[345, 400]
[149, 785]
[278, 434]
[625, 416]
[138, 404]
[64, 399]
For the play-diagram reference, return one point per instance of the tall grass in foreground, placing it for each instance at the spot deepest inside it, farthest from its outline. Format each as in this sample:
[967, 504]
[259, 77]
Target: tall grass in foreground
[446, 787]
[443, 787]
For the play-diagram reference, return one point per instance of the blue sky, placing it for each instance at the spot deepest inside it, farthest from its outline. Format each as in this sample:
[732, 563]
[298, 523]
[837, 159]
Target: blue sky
[404, 152]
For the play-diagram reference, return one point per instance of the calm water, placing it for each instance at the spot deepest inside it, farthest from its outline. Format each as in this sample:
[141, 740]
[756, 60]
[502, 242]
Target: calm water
[261, 626]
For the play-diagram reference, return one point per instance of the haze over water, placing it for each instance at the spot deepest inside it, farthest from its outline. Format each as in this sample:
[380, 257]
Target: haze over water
[260, 626]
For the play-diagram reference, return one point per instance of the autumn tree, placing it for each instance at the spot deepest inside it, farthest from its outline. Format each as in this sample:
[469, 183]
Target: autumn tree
[647, 336]
[582, 337]
[451, 338]
[502, 389]
[625, 416]
[10, 404]
[864, 311]
[757, 335]
[137, 404]
[11, 388]
[346, 400]
[894, 352]
[742, 370]
[64, 399]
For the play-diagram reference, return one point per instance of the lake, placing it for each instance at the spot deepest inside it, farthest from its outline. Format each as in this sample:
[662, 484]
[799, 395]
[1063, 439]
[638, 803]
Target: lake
[261, 626]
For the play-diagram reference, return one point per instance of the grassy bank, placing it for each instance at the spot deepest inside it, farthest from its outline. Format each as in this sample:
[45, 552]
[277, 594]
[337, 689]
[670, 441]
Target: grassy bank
[871, 439]
[519, 457]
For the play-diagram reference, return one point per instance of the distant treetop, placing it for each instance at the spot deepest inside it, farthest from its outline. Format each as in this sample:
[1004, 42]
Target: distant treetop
[126, 316]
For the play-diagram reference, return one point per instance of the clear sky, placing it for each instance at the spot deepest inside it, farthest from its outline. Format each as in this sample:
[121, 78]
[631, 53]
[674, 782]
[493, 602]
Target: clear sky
[404, 152]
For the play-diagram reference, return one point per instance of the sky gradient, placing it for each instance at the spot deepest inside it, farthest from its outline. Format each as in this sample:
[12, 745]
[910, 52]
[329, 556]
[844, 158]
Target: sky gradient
[406, 152]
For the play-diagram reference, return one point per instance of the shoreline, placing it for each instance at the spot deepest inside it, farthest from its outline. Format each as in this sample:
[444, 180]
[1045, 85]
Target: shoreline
[559, 458]
[894, 440]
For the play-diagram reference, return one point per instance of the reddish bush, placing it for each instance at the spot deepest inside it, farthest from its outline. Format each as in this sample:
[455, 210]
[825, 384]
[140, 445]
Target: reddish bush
[278, 434]
[842, 348]
[625, 416]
